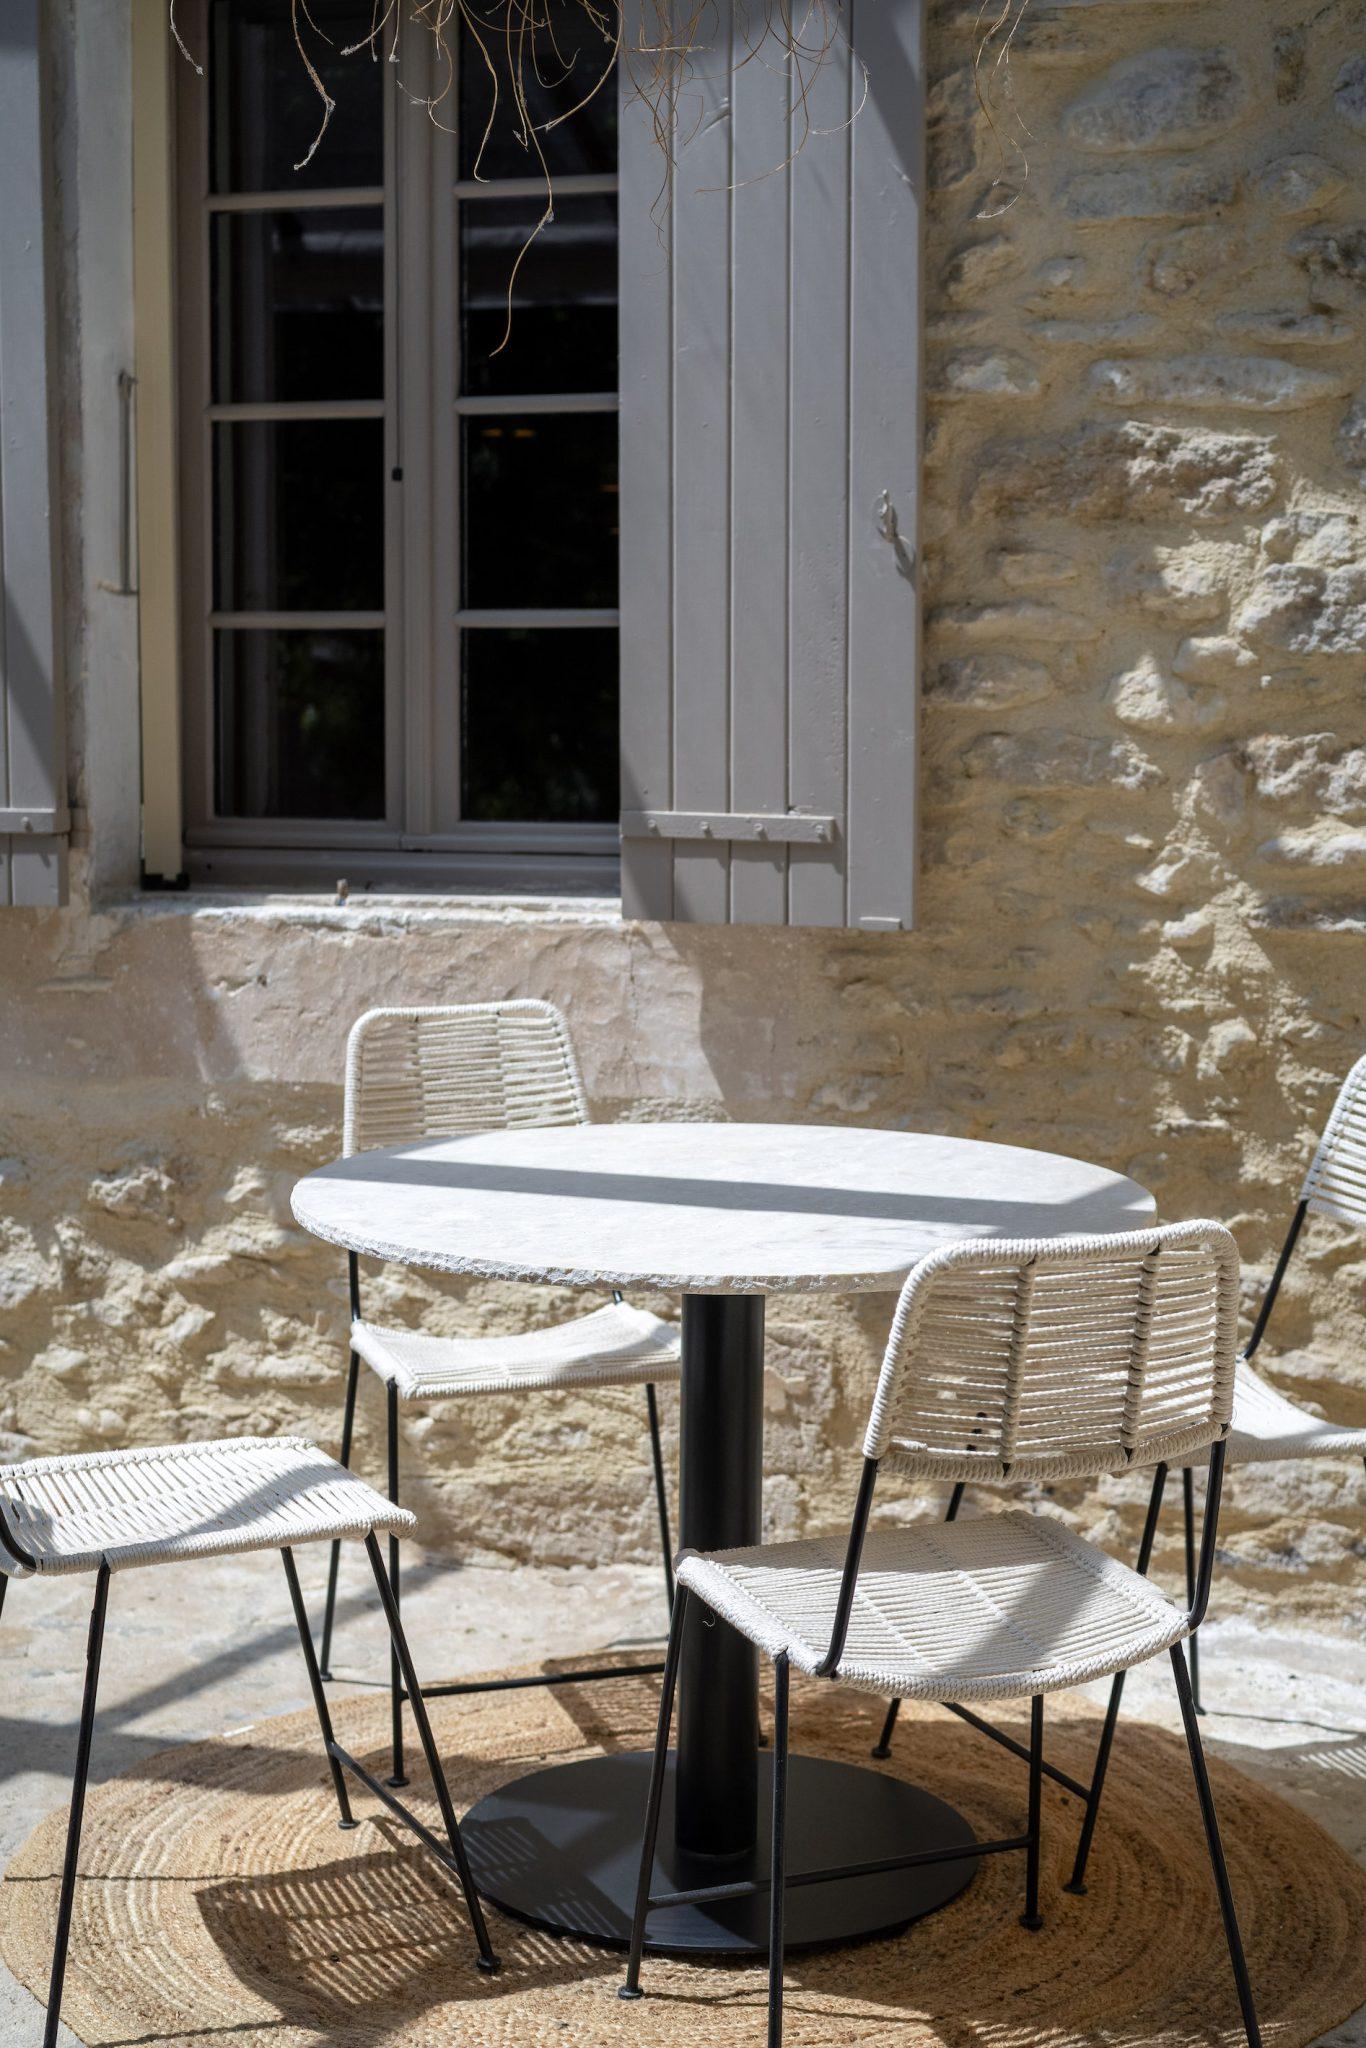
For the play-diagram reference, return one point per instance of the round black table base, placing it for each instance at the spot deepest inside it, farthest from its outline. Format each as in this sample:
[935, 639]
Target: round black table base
[561, 1848]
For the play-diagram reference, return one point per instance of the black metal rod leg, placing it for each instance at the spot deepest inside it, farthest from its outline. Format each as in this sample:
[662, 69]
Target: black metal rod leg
[1031, 1916]
[1216, 1848]
[883, 1746]
[778, 1877]
[348, 1819]
[398, 1775]
[1077, 1882]
[334, 1561]
[659, 1764]
[1188, 1503]
[389, 1602]
[93, 1649]
[661, 1498]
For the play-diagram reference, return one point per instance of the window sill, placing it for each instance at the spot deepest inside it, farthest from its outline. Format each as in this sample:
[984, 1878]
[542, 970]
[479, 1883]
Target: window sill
[369, 911]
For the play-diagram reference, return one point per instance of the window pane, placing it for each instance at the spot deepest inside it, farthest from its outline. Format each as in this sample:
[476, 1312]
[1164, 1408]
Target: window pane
[539, 510]
[558, 62]
[539, 724]
[265, 109]
[299, 515]
[300, 724]
[298, 304]
[564, 297]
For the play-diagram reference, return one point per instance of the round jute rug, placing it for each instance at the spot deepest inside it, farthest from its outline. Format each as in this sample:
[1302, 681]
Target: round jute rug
[220, 1906]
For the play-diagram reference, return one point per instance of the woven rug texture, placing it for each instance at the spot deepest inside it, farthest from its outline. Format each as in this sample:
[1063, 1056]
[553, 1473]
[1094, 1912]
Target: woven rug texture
[221, 1907]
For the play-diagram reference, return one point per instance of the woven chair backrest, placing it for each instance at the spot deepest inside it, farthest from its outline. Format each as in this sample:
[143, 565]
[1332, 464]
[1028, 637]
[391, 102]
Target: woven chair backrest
[1335, 1184]
[443, 1072]
[1060, 1357]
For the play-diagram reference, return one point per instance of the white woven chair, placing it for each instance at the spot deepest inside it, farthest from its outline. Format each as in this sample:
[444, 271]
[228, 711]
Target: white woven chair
[1060, 1358]
[441, 1072]
[1266, 1428]
[113, 1511]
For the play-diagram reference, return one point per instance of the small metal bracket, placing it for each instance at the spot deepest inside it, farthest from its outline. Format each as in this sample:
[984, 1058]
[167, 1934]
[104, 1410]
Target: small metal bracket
[890, 530]
[36, 820]
[778, 828]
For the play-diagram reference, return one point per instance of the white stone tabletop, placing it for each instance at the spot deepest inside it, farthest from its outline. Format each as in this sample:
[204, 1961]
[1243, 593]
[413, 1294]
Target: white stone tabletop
[703, 1208]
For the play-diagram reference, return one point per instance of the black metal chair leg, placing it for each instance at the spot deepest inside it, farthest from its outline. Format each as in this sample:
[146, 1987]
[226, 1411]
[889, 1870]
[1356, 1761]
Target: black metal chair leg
[1031, 1916]
[1077, 1882]
[778, 1873]
[389, 1602]
[93, 1649]
[661, 1498]
[631, 1987]
[4, 1582]
[398, 1774]
[334, 1561]
[1216, 1848]
[1188, 1502]
[348, 1819]
[883, 1746]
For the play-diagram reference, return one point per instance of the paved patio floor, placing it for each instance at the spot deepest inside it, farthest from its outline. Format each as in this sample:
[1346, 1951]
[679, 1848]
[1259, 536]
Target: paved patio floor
[195, 1651]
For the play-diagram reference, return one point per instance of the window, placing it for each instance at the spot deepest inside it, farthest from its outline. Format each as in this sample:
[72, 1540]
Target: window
[399, 467]
[432, 630]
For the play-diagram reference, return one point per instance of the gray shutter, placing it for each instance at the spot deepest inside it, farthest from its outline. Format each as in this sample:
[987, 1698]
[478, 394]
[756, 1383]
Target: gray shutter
[770, 446]
[33, 816]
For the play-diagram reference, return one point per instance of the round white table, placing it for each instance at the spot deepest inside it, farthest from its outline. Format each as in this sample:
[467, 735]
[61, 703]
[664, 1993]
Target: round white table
[723, 1215]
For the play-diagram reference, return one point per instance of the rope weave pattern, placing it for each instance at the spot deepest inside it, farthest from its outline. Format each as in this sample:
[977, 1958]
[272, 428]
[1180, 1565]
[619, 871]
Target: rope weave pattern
[1266, 1427]
[141, 1507]
[1335, 1184]
[996, 1607]
[1060, 1357]
[613, 1347]
[445, 1072]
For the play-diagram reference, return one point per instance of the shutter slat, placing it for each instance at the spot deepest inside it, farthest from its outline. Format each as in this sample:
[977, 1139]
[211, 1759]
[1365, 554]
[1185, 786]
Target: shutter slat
[885, 442]
[788, 287]
[701, 263]
[32, 764]
[817, 537]
[759, 444]
[646, 552]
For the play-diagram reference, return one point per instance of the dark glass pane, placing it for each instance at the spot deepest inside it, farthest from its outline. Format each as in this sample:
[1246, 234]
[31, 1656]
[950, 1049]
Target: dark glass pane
[539, 510]
[299, 720]
[558, 62]
[265, 109]
[298, 304]
[564, 297]
[299, 515]
[539, 724]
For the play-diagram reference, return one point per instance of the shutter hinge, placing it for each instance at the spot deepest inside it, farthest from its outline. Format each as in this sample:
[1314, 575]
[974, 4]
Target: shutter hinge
[790, 828]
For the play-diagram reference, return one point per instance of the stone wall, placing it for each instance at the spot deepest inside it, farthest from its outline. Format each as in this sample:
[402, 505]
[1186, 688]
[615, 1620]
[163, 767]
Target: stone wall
[1145, 795]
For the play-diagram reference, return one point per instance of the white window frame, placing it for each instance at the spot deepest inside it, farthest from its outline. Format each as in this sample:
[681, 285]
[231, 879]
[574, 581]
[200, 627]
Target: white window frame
[422, 839]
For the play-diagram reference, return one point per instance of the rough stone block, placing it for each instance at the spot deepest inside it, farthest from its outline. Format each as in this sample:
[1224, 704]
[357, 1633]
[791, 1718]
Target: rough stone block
[1350, 439]
[1303, 609]
[1018, 619]
[1301, 183]
[1153, 701]
[1053, 760]
[1147, 192]
[1247, 383]
[1349, 93]
[1035, 568]
[1126, 470]
[1287, 324]
[1315, 770]
[1163, 99]
[989, 373]
[977, 682]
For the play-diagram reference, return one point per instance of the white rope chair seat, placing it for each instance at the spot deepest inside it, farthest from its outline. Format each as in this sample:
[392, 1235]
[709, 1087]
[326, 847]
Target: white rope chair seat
[1268, 1427]
[157, 1506]
[1002, 1606]
[616, 1346]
